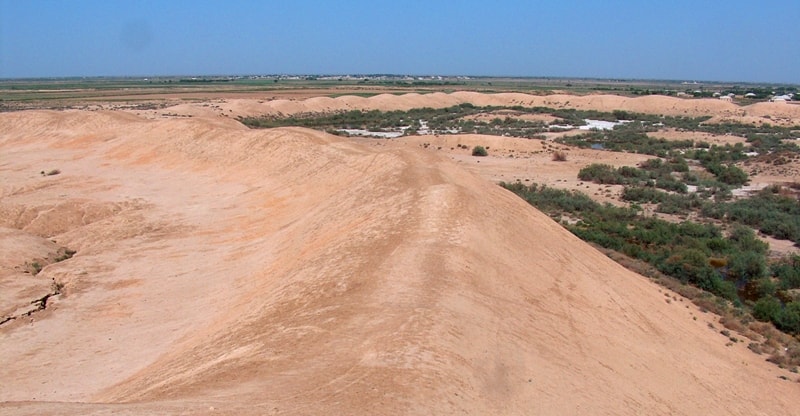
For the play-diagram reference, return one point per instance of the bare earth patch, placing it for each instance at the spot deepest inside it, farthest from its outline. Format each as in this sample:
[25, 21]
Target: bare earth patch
[718, 139]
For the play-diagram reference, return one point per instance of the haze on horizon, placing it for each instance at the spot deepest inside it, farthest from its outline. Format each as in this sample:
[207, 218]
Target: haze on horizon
[737, 41]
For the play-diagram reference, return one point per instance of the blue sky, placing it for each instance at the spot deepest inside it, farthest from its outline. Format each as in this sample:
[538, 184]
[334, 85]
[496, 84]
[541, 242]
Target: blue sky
[755, 41]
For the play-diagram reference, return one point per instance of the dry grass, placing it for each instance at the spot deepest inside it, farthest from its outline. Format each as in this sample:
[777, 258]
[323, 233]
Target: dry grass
[559, 156]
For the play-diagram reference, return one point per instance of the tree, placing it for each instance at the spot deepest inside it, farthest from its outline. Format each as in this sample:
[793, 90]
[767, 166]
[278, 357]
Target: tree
[767, 309]
[746, 266]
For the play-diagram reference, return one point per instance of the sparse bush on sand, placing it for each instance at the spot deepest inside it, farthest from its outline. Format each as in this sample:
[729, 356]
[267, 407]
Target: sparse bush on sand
[479, 151]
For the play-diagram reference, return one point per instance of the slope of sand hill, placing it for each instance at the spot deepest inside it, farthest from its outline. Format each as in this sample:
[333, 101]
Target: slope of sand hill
[720, 111]
[226, 271]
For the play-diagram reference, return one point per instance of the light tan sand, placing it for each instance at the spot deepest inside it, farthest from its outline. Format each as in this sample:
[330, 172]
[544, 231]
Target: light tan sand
[718, 139]
[221, 270]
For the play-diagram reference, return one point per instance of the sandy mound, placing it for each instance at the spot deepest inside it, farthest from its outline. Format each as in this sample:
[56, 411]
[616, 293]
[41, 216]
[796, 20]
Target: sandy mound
[718, 110]
[221, 270]
[777, 111]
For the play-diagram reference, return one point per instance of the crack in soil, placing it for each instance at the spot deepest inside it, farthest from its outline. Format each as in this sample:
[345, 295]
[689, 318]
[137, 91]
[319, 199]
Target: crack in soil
[41, 304]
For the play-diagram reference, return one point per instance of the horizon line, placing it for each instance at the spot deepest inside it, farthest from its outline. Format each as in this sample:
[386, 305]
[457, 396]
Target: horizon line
[310, 76]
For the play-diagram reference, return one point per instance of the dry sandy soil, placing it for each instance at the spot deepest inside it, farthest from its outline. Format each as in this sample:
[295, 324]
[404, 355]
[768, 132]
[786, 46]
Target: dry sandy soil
[774, 113]
[717, 139]
[221, 270]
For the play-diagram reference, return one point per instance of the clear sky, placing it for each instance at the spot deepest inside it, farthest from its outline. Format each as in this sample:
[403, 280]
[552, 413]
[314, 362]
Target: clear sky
[733, 40]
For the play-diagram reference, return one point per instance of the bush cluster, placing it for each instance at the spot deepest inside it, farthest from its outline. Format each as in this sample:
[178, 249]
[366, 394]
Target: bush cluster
[769, 211]
[652, 173]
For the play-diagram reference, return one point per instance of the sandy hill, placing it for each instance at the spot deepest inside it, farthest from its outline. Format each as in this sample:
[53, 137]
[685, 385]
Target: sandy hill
[720, 111]
[226, 271]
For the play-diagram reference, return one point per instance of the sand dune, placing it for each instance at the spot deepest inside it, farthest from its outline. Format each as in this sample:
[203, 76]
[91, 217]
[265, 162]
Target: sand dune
[221, 270]
[775, 113]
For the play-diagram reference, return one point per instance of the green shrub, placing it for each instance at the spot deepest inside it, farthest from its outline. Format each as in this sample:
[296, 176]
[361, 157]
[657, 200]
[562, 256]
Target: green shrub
[479, 151]
[670, 184]
[789, 319]
[787, 272]
[642, 194]
[771, 213]
[600, 173]
[728, 174]
[764, 287]
[749, 265]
